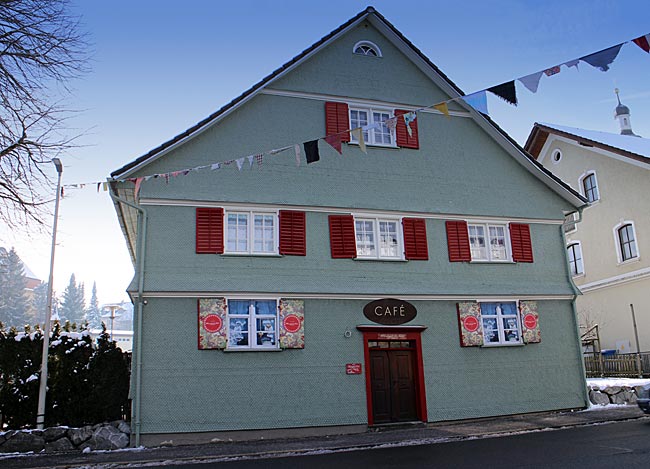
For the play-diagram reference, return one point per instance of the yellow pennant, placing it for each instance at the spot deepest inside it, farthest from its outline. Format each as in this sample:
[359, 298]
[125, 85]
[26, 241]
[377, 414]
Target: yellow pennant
[358, 134]
[442, 107]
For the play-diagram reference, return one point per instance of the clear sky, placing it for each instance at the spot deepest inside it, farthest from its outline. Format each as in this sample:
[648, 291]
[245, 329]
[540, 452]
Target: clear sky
[160, 66]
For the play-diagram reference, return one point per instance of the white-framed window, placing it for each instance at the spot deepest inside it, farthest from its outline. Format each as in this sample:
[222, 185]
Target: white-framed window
[249, 232]
[626, 242]
[372, 121]
[489, 242]
[367, 48]
[378, 238]
[589, 187]
[253, 324]
[500, 323]
[574, 253]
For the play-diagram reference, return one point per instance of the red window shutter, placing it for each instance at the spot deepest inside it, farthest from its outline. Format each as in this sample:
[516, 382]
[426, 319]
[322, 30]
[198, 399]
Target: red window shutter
[415, 239]
[337, 119]
[209, 230]
[522, 248]
[292, 233]
[342, 241]
[401, 132]
[458, 241]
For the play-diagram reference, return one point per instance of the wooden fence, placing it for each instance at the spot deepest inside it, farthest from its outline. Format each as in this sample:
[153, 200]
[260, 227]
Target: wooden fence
[625, 365]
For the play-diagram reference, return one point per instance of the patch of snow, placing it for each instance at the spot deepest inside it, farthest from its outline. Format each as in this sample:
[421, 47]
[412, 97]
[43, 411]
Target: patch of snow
[32, 378]
[602, 383]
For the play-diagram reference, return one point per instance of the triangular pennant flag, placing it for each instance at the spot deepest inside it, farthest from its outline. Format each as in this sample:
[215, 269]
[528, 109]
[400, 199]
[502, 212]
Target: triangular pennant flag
[175, 173]
[335, 142]
[408, 118]
[391, 123]
[603, 59]
[260, 159]
[240, 163]
[166, 176]
[311, 151]
[105, 186]
[98, 184]
[531, 81]
[358, 134]
[643, 42]
[572, 63]
[138, 181]
[228, 163]
[549, 72]
[185, 172]
[62, 193]
[146, 178]
[298, 156]
[505, 91]
[214, 166]
[442, 107]
[478, 101]
[250, 161]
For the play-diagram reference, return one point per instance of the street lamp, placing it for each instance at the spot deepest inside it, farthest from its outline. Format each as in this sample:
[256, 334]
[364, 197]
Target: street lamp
[42, 390]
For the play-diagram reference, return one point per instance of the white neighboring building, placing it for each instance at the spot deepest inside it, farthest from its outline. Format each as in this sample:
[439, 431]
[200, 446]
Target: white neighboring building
[609, 250]
[118, 318]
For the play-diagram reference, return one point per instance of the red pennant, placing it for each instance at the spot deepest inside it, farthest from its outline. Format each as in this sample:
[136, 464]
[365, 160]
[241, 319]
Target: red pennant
[643, 42]
[335, 142]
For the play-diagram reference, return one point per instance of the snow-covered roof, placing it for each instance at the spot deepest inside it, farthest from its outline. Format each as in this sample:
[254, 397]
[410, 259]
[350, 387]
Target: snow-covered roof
[629, 143]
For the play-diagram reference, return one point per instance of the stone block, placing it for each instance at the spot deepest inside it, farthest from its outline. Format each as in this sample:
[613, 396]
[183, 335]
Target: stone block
[23, 442]
[612, 390]
[54, 433]
[79, 435]
[598, 398]
[60, 445]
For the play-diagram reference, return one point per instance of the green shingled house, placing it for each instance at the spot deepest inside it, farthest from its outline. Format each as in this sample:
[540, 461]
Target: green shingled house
[413, 277]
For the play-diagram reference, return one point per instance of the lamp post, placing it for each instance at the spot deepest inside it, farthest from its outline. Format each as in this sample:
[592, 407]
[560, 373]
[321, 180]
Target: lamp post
[42, 390]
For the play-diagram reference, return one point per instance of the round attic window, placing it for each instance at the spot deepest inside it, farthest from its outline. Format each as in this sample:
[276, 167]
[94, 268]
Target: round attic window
[557, 156]
[366, 48]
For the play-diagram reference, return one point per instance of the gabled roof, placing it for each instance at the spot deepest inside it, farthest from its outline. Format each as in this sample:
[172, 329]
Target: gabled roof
[416, 56]
[630, 146]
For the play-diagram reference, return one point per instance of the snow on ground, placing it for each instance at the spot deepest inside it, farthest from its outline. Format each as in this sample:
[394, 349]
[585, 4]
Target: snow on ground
[602, 383]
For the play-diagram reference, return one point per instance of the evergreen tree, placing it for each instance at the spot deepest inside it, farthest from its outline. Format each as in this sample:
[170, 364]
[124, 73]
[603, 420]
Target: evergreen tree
[93, 314]
[73, 305]
[13, 298]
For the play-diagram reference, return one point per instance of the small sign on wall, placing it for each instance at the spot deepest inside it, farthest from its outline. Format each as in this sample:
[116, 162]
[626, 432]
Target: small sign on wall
[353, 368]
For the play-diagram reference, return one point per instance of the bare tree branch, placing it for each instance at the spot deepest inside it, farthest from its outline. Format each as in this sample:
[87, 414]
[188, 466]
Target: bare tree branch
[41, 51]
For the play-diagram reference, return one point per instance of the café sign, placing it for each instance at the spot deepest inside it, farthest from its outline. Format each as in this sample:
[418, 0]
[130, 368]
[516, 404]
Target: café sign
[390, 311]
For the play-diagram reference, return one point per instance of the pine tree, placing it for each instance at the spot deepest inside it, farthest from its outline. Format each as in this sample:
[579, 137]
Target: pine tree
[13, 298]
[93, 314]
[73, 305]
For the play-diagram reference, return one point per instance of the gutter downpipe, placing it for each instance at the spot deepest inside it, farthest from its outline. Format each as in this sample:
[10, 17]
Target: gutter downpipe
[140, 251]
[576, 293]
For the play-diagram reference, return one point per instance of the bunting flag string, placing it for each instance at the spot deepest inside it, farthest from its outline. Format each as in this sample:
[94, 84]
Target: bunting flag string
[601, 60]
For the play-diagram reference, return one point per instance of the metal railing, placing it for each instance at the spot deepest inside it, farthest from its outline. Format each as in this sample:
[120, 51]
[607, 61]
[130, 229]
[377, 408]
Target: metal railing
[624, 365]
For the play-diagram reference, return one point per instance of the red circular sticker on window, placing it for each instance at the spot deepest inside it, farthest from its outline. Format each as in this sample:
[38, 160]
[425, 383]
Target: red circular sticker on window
[291, 323]
[212, 323]
[530, 321]
[470, 323]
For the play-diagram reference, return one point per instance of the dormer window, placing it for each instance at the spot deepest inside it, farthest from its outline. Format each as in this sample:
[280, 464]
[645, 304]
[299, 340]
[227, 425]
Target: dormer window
[366, 48]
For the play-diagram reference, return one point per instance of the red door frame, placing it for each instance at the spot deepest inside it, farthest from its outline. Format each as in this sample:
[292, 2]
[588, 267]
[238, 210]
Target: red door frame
[397, 333]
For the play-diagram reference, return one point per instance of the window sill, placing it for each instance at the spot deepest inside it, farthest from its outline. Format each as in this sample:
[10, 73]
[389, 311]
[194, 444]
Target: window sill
[629, 261]
[518, 344]
[378, 145]
[492, 262]
[251, 254]
[580, 275]
[258, 349]
[378, 259]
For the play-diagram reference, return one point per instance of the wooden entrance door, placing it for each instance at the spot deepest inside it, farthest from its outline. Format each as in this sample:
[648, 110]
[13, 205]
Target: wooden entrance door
[393, 386]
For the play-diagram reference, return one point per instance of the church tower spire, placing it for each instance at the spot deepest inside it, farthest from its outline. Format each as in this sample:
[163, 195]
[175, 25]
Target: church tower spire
[622, 114]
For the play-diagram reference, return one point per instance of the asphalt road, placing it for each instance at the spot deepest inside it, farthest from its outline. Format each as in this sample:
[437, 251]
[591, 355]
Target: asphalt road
[623, 444]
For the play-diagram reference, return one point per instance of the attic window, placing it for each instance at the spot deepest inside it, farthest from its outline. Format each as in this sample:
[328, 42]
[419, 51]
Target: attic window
[557, 156]
[366, 48]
